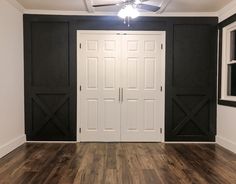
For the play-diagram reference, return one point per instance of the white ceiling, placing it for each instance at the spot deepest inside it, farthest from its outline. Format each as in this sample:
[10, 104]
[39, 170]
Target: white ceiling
[196, 5]
[80, 5]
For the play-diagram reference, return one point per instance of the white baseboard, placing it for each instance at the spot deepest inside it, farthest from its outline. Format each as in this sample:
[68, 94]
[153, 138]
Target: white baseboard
[11, 145]
[226, 143]
[52, 142]
[183, 142]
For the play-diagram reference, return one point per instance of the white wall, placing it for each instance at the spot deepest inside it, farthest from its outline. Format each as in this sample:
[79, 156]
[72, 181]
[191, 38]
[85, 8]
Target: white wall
[226, 127]
[226, 116]
[11, 78]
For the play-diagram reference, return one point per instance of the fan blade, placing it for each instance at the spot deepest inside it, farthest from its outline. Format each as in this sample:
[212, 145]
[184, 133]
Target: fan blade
[121, 3]
[101, 5]
[148, 7]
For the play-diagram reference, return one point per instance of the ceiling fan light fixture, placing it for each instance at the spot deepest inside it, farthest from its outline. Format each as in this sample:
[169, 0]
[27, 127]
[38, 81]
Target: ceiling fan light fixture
[122, 13]
[128, 12]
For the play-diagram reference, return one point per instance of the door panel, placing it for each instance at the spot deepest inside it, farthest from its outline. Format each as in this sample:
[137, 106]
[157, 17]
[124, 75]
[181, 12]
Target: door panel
[149, 115]
[92, 114]
[133, 118]
[99, 76]
[132, 73]
[140, 81]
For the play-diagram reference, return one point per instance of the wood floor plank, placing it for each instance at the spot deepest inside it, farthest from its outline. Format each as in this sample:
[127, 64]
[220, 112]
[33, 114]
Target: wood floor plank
[48, 166]
[118, 163]
[110, 176]
[111, 156]
[72, 168]
[151, 176]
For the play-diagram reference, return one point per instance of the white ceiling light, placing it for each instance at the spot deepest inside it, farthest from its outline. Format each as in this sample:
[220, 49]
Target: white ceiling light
[128, 12]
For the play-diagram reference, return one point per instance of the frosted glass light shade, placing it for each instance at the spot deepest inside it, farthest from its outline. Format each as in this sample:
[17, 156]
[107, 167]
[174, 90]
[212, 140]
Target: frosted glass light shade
[128, 11]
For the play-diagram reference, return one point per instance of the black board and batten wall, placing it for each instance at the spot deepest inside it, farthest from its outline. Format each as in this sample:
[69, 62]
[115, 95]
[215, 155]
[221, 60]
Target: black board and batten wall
[50, 74]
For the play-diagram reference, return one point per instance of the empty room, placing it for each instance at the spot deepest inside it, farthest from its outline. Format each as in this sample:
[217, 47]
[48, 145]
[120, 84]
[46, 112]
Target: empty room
[118, 92]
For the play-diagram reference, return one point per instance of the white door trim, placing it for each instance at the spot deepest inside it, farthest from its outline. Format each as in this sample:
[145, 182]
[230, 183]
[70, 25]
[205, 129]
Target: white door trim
[163, 60]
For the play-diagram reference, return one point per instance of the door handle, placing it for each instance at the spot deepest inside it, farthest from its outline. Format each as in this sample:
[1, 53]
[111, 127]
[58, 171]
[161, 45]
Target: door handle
[122, 94]
[119, 94]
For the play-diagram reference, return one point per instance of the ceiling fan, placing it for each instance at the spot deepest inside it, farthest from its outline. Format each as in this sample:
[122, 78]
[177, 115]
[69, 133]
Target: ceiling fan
[130, 8]
[138, 4]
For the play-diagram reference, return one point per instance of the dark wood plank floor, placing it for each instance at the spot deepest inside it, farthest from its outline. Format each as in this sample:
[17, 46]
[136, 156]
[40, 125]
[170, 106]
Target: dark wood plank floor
[123, 163]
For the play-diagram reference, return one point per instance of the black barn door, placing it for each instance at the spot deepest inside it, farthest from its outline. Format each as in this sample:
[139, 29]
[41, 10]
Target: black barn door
[191, 84]
[50, 86]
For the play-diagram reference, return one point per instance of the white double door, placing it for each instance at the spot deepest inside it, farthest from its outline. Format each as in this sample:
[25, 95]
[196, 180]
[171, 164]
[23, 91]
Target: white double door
[120, 81]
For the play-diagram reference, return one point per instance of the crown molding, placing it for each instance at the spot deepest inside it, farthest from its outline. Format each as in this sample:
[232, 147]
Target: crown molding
[59, 12]
[85, 13]
[227, 11]
[17, 5]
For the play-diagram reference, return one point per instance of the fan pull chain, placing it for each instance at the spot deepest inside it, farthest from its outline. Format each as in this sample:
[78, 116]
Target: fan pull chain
[127, 21]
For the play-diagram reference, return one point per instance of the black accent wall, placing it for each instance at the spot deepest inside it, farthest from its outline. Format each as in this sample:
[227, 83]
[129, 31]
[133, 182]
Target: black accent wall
[50, 73]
